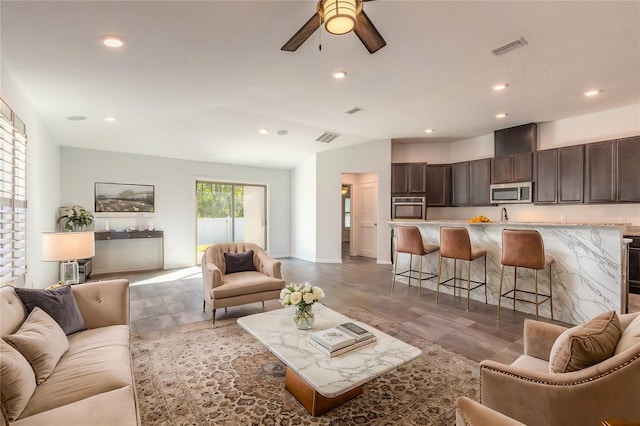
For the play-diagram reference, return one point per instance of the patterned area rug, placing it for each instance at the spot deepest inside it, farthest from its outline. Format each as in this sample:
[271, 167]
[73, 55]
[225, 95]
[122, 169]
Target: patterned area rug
[223, 376]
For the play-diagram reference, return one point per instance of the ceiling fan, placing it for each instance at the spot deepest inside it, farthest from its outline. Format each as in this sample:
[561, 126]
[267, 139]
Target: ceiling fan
[339, 17]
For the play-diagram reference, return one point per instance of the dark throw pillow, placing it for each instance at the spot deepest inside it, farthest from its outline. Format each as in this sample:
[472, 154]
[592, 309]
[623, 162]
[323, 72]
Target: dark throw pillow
[239, 262]
[58, 303]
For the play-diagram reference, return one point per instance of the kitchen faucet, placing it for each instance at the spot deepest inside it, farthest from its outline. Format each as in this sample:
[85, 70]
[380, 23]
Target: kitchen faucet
[503, 214]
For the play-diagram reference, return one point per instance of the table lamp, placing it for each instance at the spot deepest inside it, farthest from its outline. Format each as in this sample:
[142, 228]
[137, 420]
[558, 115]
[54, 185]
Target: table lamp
[67, 247]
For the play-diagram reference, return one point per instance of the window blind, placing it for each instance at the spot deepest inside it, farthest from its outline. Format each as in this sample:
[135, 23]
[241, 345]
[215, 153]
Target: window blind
[13, 197]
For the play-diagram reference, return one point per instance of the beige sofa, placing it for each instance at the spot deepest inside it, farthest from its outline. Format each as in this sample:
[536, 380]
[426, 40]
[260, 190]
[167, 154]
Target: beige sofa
[222, 289]
[527, 392]
[92, 383]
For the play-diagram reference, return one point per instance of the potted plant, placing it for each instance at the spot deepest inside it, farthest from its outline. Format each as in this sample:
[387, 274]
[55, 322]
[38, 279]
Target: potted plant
[75, 218]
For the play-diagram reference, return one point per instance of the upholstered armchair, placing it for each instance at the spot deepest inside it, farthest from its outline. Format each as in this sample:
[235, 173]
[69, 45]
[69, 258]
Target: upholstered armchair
[528, 392]
[251, 278]
[471, 413]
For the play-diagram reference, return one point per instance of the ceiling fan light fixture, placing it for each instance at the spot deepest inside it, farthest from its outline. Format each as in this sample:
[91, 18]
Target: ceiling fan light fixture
[339, 15]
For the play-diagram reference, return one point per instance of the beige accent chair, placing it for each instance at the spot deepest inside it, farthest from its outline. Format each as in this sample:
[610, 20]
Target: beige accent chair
[222, 290]
[471, 413]
[527, 392]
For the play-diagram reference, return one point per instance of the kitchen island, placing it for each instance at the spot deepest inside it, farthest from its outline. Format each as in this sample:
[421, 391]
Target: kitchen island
[587, 273]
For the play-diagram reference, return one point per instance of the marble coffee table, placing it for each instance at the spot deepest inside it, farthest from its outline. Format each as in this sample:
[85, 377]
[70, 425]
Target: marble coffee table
[319, 382]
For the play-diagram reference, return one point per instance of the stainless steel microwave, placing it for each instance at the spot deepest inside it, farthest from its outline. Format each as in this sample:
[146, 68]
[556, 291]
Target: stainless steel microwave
[408, 208]
[511, 193]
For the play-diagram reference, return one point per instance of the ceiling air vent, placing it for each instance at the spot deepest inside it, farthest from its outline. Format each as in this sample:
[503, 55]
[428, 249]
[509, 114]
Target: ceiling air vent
[327, 137]
[353, 110]
[509, 46]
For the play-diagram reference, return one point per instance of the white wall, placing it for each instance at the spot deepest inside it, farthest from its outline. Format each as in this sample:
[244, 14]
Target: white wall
[373, 157]
[303, 226]
[43, 182]
[175, 202]
[608, 124]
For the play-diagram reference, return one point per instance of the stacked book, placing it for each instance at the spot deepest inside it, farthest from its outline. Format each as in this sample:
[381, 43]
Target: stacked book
[340, 339]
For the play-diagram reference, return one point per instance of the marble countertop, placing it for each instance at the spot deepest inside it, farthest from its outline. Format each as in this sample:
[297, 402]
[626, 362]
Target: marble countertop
[512, 223]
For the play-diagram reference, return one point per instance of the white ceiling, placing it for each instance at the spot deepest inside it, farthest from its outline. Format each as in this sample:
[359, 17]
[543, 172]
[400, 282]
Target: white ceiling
[197, 79]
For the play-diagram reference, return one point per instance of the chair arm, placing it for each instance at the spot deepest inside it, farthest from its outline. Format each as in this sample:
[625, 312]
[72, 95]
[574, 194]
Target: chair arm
[268, 265]
[471, 413]
[574, 398]
[103, 303]
[211, 275]
[539, 338]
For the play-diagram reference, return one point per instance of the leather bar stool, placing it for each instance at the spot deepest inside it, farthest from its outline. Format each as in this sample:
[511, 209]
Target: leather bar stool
[455, 244]
[410, 242]
[524, 249]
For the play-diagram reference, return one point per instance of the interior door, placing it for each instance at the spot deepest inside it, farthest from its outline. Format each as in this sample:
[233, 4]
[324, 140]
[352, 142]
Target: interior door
[367, 218]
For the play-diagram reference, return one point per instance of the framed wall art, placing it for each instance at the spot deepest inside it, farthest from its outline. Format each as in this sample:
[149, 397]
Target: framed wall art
[124, 197]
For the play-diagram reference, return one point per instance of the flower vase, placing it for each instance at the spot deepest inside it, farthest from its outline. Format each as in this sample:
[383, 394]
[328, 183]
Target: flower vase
[303, 317]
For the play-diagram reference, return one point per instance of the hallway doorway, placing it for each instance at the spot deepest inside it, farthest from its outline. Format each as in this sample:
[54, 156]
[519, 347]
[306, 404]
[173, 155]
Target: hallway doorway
[360, 238]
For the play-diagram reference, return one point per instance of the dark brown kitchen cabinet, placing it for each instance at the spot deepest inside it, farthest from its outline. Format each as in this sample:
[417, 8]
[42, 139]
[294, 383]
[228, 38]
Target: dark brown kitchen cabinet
[571, 174]
[480, 179]
[559, 175]
[438, 185]
[417, 175]
[399, 179]
[460, 184]
[408, 179]
[629, 170]
[512, 168]
[546, 186]
[600, 180]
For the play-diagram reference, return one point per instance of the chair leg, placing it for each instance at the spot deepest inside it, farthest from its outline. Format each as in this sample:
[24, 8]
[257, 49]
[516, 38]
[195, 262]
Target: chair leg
[439, 277]
[395, 271]
[204, 304]
[420, 278]
[515, 282]
[468, 283]
[225, 310]
[486, 300]
[263, 305]
[213, 315]
[410, 267]
[550, 292]
[455, 274]
[500, 290]
[535, 273]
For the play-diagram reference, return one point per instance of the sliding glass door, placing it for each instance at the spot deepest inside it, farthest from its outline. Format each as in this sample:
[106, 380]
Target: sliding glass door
[230, 212]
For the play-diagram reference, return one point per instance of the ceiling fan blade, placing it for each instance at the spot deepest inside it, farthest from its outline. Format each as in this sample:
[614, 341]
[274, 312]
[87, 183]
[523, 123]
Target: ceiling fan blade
[368, 34]
[303, 34]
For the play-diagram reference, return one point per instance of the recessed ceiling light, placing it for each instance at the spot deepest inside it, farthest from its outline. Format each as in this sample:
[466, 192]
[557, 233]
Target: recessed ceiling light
[110, 119]
[76, 117]
[429, 130]
[339, 74]
[112, 41]
[500, 86]
[592, 92]
[502, 114]
[263, 131]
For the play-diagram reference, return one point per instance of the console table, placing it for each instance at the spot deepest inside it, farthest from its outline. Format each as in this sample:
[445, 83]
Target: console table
[120, 251]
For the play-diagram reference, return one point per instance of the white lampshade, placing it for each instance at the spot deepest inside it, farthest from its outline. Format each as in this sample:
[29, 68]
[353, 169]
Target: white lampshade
[62, 246]
[339, 15]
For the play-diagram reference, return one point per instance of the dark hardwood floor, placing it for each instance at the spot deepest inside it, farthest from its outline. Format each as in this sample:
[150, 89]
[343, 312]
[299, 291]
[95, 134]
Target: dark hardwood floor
[171, 300]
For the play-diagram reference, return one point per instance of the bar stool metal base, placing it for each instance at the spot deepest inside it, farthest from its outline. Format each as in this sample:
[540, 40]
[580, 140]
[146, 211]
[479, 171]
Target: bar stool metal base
[410, 273]
[468, 280]
[515, 291]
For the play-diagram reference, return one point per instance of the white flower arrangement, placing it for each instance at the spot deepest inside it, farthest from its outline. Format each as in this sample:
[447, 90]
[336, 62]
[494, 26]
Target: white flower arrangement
[300, 295]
